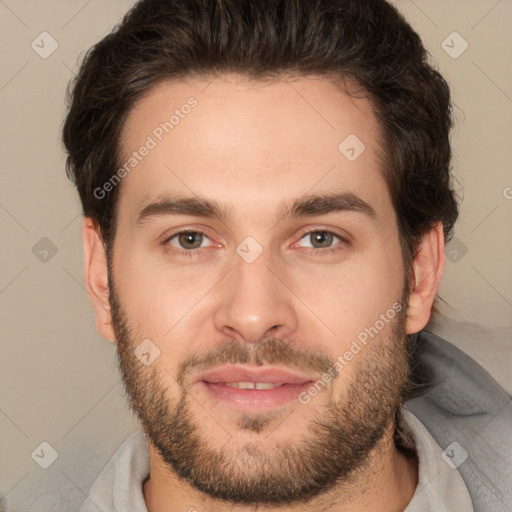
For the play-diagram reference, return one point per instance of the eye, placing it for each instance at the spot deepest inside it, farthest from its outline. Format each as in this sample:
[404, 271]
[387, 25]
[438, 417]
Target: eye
[187, 240]
[321, 239]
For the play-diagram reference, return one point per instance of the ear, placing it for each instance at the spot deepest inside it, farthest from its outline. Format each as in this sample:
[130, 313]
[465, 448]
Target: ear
[428, 269]
[96, 277]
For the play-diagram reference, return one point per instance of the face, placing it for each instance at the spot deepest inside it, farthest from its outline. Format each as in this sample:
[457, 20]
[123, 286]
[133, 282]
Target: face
[288, 259]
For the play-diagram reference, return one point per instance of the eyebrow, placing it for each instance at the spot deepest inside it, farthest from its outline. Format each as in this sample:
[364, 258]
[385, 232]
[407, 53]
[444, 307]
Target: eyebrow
[306, 206]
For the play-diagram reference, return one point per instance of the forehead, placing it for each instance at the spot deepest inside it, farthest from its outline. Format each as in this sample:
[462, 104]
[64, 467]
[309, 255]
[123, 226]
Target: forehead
[250, 143]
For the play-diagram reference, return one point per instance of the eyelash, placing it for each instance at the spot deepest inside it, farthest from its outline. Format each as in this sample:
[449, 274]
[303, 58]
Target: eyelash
[192, 253]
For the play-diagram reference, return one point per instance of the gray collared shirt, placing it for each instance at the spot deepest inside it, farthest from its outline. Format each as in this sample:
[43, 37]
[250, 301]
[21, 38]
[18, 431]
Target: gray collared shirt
[440, 486]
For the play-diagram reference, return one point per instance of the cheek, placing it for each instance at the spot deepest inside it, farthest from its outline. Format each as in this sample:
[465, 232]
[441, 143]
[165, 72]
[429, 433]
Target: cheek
[165, 305]
[348, 297]
[150, 299]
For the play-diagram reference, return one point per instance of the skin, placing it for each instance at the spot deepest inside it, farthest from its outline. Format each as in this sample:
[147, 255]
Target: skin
[251, 146]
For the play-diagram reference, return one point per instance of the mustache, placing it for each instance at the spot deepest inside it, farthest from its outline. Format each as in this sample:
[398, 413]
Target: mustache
[270, 351]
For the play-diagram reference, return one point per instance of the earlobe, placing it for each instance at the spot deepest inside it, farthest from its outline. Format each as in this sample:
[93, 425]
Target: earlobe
[96, 277]
[428, 265]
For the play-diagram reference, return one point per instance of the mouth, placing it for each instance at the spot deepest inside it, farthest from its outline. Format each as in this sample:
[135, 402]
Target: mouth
[248, 388]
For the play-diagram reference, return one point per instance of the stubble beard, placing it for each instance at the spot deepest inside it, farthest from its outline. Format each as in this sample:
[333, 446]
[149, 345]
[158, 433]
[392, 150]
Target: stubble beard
[335, 447]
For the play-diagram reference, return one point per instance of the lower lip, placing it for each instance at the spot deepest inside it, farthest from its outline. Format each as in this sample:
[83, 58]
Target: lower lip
[255, 398]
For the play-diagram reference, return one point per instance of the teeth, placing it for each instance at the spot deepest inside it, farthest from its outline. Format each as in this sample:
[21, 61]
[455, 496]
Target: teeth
[252, 385]
[266, 385]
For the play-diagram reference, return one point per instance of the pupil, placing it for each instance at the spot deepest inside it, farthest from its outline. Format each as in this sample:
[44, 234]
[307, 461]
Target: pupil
[323, 238]
[190, 239]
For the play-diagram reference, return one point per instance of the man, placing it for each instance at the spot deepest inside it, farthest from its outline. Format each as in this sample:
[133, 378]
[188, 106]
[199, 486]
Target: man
[266, 197]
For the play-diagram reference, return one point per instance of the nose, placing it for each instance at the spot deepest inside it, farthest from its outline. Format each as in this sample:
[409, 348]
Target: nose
[255, 302]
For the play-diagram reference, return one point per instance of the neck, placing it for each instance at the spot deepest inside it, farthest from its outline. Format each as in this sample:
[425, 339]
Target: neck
[387, 482]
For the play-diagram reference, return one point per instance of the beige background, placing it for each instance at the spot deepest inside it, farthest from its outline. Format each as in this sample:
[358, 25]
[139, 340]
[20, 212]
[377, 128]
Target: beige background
[59, 381]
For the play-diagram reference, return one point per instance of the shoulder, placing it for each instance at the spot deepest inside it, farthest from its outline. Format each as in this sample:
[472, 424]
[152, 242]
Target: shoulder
[462, 403]
[119, 485]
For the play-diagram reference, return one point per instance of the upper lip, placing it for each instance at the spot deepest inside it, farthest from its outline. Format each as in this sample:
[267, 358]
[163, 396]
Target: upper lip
[234, 373]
